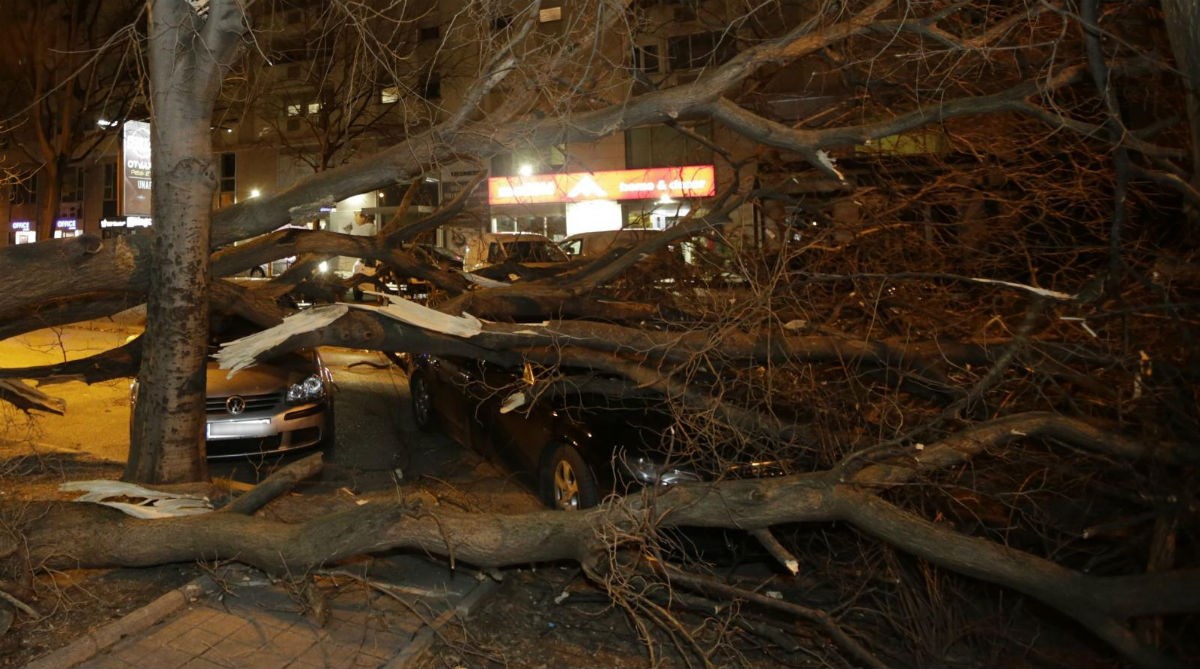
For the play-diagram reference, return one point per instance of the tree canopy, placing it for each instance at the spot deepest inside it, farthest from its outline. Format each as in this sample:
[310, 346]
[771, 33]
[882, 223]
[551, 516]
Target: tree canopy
[949, 273]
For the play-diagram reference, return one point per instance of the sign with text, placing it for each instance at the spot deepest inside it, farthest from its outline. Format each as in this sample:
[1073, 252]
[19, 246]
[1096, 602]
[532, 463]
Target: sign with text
[645, 184]
[135, 168]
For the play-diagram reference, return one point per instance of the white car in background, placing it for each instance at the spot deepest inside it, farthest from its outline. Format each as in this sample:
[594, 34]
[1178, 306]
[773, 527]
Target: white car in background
[597, 243]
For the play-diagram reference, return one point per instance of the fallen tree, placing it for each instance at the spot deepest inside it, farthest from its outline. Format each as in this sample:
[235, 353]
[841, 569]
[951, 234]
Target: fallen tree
[970, 324]
[66, 535]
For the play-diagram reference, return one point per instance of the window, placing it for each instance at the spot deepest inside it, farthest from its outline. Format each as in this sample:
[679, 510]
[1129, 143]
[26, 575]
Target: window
[688, 52]
[108, 204]
[645, 58]
[502, 22]
[303, 108]
[22, 192]
[389, 95]
[227, 187]
[429, 33]
[72, 185]
[110, 181]
[426, 195]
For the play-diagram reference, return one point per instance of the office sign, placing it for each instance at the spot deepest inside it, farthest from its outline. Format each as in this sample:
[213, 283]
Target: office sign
[135, 168]
[645, 184]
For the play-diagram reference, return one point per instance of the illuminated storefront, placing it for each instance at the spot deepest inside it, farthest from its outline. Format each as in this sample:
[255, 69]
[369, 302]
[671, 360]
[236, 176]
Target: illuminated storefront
[66, 227]
[603, 200]
[123, 225]
[22, 232]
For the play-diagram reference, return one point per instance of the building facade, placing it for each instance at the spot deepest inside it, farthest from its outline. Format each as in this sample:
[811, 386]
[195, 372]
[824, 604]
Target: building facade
[310, 97]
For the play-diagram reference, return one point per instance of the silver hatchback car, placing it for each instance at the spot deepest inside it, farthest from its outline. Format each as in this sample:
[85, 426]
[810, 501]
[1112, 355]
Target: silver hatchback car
[280, 405]
[272, 407]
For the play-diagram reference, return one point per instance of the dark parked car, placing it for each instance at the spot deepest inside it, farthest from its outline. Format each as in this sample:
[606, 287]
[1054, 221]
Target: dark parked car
[280, 405]
[573, 451]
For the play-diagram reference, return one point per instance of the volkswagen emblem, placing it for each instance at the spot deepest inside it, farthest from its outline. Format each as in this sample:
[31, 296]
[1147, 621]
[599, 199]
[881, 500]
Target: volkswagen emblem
[235, 405]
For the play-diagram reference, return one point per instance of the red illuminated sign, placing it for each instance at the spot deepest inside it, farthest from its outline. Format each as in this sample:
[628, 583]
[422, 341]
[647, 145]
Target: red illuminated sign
[645, 184]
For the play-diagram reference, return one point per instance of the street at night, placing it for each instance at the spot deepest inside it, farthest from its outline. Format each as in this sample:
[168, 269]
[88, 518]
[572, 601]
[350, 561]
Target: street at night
[578, 333]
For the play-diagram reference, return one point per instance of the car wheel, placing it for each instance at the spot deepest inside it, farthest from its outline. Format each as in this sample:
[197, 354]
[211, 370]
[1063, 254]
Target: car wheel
[567, 481]
[422, 401]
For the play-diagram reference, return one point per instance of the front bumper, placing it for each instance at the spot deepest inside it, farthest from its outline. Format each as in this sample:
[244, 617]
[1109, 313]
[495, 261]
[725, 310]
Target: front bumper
[266, 431]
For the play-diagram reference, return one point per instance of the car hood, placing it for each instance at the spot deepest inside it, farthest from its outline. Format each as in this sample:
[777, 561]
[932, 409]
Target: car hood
[260, 379]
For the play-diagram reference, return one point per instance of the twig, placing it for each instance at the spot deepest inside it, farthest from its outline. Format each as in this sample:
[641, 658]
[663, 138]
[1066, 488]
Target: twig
[24, 608]
[776, 549]
[817, 616]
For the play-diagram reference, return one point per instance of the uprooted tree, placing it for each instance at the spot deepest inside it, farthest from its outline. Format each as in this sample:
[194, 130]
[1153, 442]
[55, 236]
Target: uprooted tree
[987, 371]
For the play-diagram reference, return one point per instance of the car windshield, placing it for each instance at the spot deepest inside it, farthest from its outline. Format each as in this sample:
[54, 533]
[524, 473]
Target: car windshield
[224, 328]
[534, 251]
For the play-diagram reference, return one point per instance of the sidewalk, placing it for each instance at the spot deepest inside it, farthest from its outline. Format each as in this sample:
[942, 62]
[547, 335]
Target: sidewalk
[243, 620]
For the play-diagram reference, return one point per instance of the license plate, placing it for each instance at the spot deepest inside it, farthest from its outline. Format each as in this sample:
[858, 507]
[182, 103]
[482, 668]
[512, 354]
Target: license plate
[237, 428]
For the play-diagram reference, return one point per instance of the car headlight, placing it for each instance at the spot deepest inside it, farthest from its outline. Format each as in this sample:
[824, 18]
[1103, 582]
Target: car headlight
[649, 472]
[308, 390]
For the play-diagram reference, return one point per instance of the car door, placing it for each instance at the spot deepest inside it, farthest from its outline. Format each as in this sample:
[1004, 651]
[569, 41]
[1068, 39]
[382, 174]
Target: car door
[449, 379]
[521, 435]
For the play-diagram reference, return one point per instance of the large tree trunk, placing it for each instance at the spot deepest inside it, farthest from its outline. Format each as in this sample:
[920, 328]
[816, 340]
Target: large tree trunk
[167, 436]
[49, 195]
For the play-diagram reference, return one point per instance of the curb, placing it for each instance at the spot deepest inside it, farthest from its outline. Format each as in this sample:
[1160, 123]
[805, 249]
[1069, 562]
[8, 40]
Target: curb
[423, 639]
[97, 640]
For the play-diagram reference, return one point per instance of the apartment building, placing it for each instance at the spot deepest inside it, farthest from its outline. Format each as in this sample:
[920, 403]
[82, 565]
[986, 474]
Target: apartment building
[316, 91]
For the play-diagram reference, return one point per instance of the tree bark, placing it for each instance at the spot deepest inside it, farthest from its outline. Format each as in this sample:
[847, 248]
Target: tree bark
[167, 437]
[68, 535]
